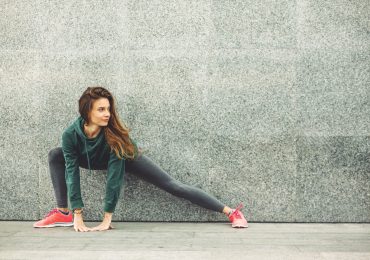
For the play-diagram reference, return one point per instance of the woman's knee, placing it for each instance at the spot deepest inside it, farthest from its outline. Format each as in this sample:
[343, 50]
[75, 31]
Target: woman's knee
[56, 155]
[176, 188]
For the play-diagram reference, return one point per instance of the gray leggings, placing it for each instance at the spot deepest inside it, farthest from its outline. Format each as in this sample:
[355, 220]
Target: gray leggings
[142, 167]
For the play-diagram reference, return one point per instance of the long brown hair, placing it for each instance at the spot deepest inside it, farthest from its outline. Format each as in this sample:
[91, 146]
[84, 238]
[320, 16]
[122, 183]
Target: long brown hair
[116, 132]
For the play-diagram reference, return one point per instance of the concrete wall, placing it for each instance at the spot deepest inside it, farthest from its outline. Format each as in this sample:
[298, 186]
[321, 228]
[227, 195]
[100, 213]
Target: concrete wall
[261, 102]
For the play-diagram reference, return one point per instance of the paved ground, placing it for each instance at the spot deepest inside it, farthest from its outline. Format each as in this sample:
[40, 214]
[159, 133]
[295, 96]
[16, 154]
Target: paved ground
[129, 240]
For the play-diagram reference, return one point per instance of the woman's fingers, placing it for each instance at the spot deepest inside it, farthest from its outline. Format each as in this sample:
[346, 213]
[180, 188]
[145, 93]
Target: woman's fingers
[82, 229]
[101, 228]
[85, 229]
[97, 228]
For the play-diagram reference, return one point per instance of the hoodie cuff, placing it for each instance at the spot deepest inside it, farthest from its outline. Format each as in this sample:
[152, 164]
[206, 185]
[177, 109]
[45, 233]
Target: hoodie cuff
[109, 208]
[76, 204]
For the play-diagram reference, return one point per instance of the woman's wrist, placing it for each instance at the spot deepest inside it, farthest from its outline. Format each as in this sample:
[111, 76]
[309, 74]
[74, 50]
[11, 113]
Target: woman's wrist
[108, 215]
[77, 211]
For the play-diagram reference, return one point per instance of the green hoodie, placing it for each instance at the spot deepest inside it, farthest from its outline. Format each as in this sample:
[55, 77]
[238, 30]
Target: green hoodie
[95, 153]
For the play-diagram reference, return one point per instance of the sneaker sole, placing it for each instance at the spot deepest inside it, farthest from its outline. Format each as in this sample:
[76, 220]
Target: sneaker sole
[56, 225]
[239, 226]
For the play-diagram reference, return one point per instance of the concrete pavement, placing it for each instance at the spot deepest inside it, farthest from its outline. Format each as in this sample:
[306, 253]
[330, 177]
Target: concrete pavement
[153, 240]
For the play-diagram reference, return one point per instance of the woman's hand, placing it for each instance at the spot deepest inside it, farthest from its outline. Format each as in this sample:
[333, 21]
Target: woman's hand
[78, 224]
[106, 223]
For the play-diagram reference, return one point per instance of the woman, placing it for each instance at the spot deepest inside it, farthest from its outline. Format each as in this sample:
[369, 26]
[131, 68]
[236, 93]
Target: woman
[98, 140]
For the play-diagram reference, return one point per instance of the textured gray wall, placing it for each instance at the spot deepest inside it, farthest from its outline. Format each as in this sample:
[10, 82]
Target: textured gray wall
[261, 102]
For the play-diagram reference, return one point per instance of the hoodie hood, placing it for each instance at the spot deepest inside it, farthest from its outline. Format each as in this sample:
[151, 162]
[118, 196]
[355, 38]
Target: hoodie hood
[78, 126]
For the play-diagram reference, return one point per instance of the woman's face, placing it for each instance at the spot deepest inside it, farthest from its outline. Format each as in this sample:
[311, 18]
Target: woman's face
[100, 113]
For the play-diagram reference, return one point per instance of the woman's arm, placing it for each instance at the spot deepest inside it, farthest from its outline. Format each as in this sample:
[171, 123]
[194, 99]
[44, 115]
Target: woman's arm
[73, 180]
[116, 170]
[72, 170]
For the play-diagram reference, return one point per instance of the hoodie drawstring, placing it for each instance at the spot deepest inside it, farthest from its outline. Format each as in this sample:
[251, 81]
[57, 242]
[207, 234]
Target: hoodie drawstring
[87, 155]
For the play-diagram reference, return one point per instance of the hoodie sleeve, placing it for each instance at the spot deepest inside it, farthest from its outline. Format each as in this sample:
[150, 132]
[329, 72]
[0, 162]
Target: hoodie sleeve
[72, 173]
[116, 170]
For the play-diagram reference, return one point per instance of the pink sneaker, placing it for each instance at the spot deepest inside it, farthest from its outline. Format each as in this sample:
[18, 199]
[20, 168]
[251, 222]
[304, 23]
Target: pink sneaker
[55, 218]
[237, 218]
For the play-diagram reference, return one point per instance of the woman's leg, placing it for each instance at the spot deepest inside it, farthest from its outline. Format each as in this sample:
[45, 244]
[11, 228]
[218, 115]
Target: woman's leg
[60, 217]
[57, 173]
[146, 169]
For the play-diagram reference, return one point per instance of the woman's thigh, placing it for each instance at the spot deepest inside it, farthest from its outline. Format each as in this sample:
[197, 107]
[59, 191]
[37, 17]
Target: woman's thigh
[143, 167]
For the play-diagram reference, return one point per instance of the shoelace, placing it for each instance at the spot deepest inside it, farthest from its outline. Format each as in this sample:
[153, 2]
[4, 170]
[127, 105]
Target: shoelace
[236, 211]
[52, 212]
